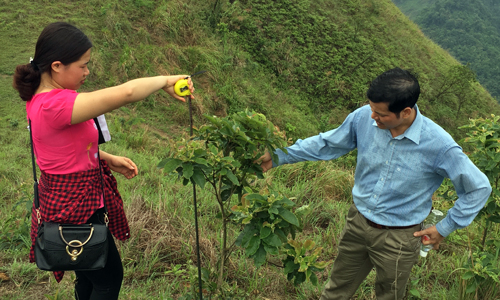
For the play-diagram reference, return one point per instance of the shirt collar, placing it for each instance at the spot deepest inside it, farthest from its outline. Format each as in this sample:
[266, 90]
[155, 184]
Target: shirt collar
[414, 131]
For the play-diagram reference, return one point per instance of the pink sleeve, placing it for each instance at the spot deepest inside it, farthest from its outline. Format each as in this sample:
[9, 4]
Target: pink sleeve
[59, 109]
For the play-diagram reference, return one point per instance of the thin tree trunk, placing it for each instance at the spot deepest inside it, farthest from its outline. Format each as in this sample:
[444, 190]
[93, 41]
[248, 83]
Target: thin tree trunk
[222, 258]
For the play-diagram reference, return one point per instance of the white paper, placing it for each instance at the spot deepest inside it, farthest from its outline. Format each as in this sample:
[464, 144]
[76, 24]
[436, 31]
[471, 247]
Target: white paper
[104, 128]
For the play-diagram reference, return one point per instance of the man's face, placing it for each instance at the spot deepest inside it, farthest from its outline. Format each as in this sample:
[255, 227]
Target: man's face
[385, 119]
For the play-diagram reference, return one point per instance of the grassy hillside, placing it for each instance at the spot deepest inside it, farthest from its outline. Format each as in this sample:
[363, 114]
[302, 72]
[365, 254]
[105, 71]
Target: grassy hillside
[468, 29]
[413, 8]
[304, 64]
[327, 53]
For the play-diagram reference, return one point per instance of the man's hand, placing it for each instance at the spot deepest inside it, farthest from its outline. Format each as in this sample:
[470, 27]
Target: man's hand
[434, 237]
[266, 162]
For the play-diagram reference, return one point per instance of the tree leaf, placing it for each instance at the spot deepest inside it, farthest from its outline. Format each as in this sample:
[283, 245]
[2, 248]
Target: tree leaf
[303, 266]
[321, 265]
[260, 256]
[247, 220]
[303, 211]
[468, 275]
[280, 234]
[214, 120]
[288, 216]
[201, 161]
[199, 153]
[257, 197]
[313, 278]
[187, 170]
[253, 246]
[471, 287]
[199, 178]
[271, 250]
[273, 210]
[299, 278]
[415, 293]
[290, 266]
[264, 232]
[273, 240]
[239, 240]
[213, 149]
[308, 245]
[495, 219]
[292, 232]
[226, 194]
[170, 164]
[232, 177]
[248, 232]
[285, 201]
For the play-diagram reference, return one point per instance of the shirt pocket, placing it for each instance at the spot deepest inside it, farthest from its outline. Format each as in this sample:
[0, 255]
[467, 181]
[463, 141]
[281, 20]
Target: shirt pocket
[407, 180]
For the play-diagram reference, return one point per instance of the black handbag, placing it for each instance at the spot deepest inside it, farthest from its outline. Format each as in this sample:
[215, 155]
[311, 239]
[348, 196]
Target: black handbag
[64, 247]
[69, 247]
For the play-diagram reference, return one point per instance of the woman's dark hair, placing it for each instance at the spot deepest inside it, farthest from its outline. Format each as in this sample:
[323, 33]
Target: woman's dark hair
[397, 87]
[58, 42]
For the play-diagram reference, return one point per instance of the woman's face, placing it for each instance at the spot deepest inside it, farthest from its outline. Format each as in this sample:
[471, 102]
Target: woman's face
[73, 76]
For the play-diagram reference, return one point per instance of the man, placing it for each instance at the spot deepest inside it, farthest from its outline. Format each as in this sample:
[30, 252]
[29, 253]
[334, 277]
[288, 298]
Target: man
[402, 159]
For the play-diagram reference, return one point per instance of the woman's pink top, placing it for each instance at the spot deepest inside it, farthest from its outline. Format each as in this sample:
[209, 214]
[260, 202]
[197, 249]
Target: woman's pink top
[61, 148]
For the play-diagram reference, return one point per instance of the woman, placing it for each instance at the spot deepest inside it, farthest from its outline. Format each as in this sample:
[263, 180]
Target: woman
[65, 141]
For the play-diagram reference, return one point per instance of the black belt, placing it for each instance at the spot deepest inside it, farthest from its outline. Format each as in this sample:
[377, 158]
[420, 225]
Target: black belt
[378, 226]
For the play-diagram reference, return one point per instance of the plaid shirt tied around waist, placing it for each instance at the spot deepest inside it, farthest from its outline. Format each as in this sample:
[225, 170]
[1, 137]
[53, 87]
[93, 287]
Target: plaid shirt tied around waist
[74, 198]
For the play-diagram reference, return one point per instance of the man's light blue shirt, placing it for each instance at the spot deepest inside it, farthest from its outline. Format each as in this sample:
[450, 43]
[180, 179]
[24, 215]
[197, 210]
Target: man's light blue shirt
[396, 177]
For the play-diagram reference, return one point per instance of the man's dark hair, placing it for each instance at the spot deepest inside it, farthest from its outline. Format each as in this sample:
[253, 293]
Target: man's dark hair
[58, 42]
[397, 87]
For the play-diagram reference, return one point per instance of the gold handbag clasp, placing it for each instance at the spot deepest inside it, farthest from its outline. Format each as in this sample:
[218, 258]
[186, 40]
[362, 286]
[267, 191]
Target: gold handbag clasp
[75, 243]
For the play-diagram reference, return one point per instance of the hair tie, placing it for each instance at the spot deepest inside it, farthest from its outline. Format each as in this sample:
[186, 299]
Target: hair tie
[33, 64]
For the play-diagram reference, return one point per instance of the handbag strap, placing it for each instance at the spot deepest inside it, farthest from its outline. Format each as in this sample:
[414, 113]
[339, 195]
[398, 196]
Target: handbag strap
[35, 186]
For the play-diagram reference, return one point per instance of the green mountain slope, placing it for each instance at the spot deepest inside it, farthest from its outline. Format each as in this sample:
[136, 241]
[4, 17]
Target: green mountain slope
[469, 29]
[330, 51]
[413, 8]
[305, 64]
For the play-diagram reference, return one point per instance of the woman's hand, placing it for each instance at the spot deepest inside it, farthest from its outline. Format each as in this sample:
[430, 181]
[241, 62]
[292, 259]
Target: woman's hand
[123, 165]
[169, 87]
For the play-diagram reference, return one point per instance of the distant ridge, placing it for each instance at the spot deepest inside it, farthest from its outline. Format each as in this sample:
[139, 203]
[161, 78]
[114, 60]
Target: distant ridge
[468, 29]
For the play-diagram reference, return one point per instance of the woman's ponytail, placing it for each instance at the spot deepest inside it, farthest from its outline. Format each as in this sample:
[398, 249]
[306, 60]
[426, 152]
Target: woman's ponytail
[26, 80]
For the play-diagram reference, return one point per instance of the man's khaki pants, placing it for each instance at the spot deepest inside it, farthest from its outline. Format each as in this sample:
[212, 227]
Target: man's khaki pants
[392, 252]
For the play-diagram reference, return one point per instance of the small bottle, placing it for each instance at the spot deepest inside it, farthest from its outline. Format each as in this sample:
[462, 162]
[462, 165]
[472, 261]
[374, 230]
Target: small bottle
[432, 219]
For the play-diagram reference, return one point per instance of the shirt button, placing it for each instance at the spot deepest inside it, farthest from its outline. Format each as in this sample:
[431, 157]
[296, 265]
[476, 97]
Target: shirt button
[374, 196]
[399, 169]
[381, 179]
[369, 211]
[386, 162]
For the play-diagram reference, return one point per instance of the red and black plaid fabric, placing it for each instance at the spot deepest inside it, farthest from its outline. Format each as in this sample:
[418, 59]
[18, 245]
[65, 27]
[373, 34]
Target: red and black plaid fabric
[73, 199]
